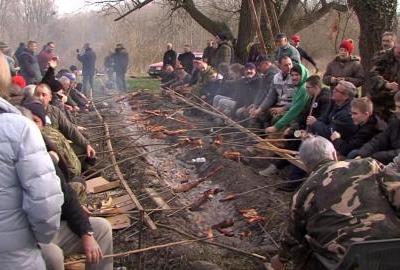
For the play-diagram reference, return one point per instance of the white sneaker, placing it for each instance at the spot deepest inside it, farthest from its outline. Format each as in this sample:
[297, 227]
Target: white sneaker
[270, 170]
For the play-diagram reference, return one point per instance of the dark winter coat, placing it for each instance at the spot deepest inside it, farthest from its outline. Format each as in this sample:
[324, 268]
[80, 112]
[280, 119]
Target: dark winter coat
[247, 90]
[223, 54]
[121, 60]
[385, 146]
[350, 69]
[363, 135]
[386, 68]
[208, 54]
[88, 60]
[254, 52]
[305, 55]
[320, 106]
[186, 60]
[337, 118]
[169, 58]
[30, 69]
[43, 58]
[266, 82]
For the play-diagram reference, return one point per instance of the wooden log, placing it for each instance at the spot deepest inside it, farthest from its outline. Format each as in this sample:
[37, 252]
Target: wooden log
[256, 23]
[147, 218]
[108, 186]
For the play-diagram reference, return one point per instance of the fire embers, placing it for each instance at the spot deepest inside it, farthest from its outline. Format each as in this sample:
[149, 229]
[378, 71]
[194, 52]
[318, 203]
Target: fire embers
[233, 155]
[197, 142]
[251, 215]
[204, 198]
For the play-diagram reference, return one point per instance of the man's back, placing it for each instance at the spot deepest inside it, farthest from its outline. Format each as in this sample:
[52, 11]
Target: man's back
[339, 204]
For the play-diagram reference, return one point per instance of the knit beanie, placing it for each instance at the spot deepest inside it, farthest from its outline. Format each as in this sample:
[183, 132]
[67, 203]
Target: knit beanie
[37, 109]
[296, 38]
[348, 45]
[18, 80]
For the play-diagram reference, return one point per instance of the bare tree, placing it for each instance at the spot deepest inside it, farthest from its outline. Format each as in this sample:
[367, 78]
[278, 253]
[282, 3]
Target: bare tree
[291, 16]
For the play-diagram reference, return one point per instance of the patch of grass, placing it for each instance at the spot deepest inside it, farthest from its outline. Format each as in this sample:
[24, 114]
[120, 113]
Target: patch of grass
[143, 82]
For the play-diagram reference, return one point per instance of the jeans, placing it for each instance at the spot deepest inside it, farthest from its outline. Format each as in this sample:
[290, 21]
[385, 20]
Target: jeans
[87, 84]
[120, 80]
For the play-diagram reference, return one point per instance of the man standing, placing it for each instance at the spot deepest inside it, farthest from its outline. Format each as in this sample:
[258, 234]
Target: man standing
[121, 60]
[384, 81]
[209, 52]
[88, 60]
[46, 55]
[186, 59]
[285, 49]
[169, 56]
[303, 54]
[30, 69]
[339, 204]
[224, 52]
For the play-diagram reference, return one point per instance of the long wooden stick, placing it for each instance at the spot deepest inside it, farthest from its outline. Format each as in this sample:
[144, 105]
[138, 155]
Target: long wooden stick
[146, 217]
[141, 250]
[264, 11]
[207, 241]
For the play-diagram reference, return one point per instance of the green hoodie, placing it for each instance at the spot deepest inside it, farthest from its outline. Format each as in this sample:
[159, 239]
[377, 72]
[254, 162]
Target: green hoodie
[300, 99]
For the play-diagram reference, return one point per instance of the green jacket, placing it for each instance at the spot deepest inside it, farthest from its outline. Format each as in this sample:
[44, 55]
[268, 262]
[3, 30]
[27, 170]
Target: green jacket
[300, 99]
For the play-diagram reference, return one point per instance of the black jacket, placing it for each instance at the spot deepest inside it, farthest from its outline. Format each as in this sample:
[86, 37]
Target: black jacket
[208, 54]
[305, 55]
[320, 108]
[121, 60]
[88, 60]
[337, 118]
[265, 85]
[385, 146]
[247, 91]
[169, 58]
[363, 134]
[30, 69]
[186, 60]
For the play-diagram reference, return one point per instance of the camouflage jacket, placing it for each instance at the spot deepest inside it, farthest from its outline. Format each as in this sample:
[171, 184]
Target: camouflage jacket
[205, 77]
[385, 69]
[339, 204]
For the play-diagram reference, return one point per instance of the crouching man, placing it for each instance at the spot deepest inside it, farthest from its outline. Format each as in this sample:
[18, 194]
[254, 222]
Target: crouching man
[340, 203]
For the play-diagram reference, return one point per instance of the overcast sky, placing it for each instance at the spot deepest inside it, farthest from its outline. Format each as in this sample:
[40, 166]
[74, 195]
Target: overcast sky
[69, 6]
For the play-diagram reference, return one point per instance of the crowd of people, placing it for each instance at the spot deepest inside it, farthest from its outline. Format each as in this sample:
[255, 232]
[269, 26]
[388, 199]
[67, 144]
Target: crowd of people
[43, 158]
[334, 117]
[348, 142]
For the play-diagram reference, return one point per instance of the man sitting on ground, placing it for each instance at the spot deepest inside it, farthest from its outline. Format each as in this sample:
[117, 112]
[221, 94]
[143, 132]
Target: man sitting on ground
[339, 204]
[386, 145]
[279, 96]
[78, 233]
[58, 120]
[338, 117]
[366, 122]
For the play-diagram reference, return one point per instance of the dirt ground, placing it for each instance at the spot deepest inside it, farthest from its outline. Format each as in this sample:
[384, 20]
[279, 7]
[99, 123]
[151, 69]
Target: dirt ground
[166, 167]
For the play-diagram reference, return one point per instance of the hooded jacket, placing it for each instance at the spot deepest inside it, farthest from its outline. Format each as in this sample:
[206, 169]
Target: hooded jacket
[30, 196]
[300, 99]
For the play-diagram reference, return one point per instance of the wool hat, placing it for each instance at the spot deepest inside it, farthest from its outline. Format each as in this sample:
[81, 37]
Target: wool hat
[73, 68]
[222, 36]
[18, 80]
[348, 45]
[54, 85]
[37, 109]
[280, 36]
[296, 38]
[249, 65]
[70, 76]
[119, 46]
[3, 45]
[297, 69]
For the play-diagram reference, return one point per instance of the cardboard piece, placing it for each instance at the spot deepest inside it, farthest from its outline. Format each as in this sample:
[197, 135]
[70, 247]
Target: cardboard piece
[119, 222]
[95, 182]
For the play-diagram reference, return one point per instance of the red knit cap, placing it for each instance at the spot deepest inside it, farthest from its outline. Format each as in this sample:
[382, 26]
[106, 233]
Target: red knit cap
[348, 45]
[296, 38]
[18, 80]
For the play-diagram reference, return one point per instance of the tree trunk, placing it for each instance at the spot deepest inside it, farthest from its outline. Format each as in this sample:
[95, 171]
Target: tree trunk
[375, 17]
[246, 32]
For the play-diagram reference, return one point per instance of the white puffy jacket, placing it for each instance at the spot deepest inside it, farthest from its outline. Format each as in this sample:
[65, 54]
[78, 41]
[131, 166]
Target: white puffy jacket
[30, 191]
